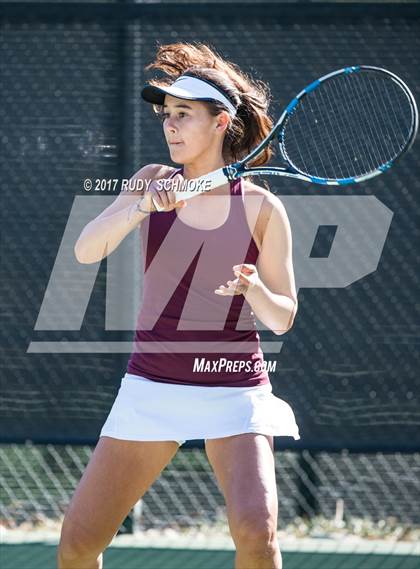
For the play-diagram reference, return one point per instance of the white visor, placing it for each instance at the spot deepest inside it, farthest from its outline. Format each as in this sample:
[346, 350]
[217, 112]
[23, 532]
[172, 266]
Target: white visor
[186, 87]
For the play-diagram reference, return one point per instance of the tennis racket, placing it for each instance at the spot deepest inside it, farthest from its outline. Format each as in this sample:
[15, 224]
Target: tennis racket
[346, 127]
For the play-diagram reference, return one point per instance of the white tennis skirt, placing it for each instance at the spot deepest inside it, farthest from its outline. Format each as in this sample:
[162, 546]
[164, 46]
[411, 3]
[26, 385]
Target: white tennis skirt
[146, 410]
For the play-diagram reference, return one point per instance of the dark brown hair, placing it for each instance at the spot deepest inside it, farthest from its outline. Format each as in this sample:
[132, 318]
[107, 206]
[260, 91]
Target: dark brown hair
[250, 97]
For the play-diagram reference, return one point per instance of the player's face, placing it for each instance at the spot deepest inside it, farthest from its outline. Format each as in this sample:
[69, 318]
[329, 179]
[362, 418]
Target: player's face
[191, 132]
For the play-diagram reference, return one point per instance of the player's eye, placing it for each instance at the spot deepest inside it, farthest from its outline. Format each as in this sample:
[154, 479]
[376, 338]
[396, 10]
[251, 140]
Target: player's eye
[179, 115]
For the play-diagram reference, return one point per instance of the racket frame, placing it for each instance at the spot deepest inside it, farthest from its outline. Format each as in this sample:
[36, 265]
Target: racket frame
[294, 172]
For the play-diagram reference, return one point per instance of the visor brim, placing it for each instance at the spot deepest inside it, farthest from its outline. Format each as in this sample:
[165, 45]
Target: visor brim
[156, 95]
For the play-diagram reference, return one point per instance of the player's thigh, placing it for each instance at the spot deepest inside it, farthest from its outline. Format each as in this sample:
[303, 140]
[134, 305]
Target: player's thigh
[245, 470]
[118, 474]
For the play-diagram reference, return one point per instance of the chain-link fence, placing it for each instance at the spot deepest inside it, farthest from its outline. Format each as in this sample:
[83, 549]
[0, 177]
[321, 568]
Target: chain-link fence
[320, 494]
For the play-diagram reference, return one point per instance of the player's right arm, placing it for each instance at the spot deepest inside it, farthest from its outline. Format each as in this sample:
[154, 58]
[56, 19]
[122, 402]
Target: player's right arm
[102, 235]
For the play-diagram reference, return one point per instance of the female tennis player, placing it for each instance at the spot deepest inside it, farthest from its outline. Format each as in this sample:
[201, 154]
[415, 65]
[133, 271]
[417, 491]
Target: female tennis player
[211, 264]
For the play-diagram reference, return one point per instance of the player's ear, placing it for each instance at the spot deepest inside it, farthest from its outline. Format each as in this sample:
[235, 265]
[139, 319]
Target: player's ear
[222, 121]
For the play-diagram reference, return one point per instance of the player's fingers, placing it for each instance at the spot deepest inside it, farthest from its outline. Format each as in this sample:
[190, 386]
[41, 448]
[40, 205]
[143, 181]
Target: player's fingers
[247, 280]
[173, 194]
[178, 181]
[166, 198]
[178, 190]
[245, 267]
[242, 277]
[157, 198]
[221, 290]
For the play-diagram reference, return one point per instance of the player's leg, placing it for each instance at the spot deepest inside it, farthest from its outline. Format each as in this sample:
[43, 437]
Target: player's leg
[245, 470]
[117, 476]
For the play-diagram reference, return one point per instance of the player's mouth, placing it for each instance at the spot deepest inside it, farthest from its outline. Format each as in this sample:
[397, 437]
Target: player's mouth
[175, 143]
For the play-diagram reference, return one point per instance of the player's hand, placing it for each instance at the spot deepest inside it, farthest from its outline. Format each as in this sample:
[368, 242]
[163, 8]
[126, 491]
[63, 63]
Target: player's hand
[246, 278]
[164, 196]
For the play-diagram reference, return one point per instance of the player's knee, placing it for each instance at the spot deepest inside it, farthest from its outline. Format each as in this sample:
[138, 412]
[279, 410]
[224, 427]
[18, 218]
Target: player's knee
[75, 545]
[256, 532]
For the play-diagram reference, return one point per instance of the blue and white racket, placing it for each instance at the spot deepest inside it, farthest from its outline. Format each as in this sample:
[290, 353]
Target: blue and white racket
[346, 127]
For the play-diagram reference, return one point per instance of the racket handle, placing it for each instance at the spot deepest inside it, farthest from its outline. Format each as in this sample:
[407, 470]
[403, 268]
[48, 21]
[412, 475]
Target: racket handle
[199, 185]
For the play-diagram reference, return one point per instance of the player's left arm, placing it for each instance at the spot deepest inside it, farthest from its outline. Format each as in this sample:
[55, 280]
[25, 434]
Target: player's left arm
[272, 295]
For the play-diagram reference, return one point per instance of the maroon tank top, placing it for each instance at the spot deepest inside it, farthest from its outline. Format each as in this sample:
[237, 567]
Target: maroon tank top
[185, 333]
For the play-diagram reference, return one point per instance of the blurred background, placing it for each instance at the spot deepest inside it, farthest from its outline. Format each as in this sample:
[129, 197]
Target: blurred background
[70, 81]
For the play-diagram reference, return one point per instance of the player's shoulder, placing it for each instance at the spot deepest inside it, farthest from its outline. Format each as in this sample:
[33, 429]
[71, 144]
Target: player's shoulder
[154, 171]
[267, 202]
[263, 209]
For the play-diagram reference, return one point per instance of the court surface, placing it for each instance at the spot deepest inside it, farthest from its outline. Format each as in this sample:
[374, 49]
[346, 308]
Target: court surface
[42, 556]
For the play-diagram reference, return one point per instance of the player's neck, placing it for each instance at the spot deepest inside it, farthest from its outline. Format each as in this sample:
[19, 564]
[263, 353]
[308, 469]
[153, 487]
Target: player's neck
[202, 167]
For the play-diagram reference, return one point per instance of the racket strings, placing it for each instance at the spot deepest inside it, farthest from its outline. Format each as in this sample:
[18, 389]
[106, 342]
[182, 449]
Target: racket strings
[349, 126]
[377, 125]
[346, 151]
[365, 151]
[362, 133]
